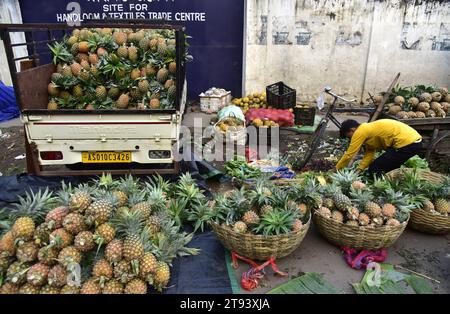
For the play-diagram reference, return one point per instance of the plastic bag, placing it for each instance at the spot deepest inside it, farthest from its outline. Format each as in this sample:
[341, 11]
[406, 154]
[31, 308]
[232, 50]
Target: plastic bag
[231, 111]
[320, 101]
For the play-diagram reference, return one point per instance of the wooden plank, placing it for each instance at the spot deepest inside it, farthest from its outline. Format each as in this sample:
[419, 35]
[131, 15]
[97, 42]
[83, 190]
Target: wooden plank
[384, 100]
[32, 87]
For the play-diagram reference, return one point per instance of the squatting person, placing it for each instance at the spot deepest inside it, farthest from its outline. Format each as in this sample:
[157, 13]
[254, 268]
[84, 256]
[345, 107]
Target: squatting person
[399, 140]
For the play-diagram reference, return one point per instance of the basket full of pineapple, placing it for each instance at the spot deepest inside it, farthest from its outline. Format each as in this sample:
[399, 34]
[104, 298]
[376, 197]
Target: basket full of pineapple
[431, 194]
[109, 236]
[359, 215]
[260, 222]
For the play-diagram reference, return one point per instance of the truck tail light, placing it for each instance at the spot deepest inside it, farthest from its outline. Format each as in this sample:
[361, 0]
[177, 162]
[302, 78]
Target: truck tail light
[51, 155]
[159, 154]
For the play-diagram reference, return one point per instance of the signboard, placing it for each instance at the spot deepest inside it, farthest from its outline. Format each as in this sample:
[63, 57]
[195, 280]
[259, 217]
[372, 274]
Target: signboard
[216, 27]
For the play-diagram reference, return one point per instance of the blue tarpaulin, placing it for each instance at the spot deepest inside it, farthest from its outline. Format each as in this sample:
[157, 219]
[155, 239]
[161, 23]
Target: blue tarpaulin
[8, 105]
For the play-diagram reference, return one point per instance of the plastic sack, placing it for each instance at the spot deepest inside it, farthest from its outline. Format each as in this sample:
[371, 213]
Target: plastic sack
[281, 116]
[231, 111]
[8, 105]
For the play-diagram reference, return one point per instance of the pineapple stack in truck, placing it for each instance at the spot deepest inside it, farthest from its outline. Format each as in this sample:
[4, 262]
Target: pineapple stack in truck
[110, 98]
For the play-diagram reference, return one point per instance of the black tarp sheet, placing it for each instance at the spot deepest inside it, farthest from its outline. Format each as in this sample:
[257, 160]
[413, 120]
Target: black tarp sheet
[201, 274]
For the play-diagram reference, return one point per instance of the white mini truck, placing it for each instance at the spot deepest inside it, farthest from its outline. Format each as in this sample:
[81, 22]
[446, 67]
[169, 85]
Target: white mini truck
[87, 142]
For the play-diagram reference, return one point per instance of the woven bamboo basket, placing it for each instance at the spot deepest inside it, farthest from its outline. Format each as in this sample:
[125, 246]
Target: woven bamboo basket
[341, 234]
[421, 220]
[260, 247]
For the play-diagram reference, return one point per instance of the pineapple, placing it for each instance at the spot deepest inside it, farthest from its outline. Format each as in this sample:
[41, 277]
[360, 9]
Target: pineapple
[153, 224]
[27, 252]
[100, 211]
[48, 255]
[102, 271]
[123, 272]
[358, 185]
[324, 211]
[80, 200]
[298, 225]
[57, 276]
[53, 89]
[74, 223]
[7, 245]
[133, 53]
[328, 203]
[67, 289]
[161, 276]
[442, 206]
[29, 289]
[123, 101]
[104, 234]
[428, 205]
[147, 266]
[250, 218]
[17, 273]
[364, 219]
[122, 52]
[268, 208]
[47, 289]
[113, 286]
[55, 217]
[393, 222]
[347, 179]
[337, 215]
[93, 59]
[162, 75]
[42, 234]
[136, 286]
[130, 226]
[9, 288]
[76, 68]
[353, 214]
[137, 204]
[135, 74]
[173, 68]
[84, 241]
[372, 209]
[342, 202]
[61, 238]
[143, 86]
[114, 251]
[91, 286]
[30, 210]
[240, 227]
[101, 92]
[69, 255]
[120, 38]
[37, 274]
[388, 210]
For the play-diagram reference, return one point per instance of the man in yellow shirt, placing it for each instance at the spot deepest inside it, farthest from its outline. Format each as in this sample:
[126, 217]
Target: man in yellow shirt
[399, 141]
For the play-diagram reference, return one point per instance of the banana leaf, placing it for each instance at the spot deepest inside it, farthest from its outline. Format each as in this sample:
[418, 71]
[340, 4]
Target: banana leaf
[310, 283]
[391, 282]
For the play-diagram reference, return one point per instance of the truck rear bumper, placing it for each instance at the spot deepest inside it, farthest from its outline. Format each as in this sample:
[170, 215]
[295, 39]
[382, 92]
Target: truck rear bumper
[142, 151]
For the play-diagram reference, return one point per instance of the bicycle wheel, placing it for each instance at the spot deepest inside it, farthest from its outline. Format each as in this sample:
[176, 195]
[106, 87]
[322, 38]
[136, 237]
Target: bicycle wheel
[318, 134]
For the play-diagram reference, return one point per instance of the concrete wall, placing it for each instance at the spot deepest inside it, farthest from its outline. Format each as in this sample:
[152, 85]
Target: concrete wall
[10, 14]
[354, 46]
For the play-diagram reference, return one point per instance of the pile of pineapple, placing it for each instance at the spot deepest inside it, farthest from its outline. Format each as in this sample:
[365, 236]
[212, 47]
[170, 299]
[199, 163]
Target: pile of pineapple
[114, 69]
[431, 197]
[418, 102]
[103, 237]
[347, 199]
[255, 100]
[264, 210]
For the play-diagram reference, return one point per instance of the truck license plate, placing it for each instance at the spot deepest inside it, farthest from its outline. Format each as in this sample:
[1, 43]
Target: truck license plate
[106, 157]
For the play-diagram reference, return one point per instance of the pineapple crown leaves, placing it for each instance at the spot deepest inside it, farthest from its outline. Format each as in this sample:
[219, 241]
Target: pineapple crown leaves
[60, 53]
[261, 195]
[34, 205]
[220, 211]
[275, 223]
[66, 82]
[199, 215]
[128, 184]
[177, 211]
[158, 182]
[128, 222]
[105, 181]
[64, 194]
[170, 242]
[155, 197]
[108, 196]
[379, 185]
[361, 197]
[344, 179]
